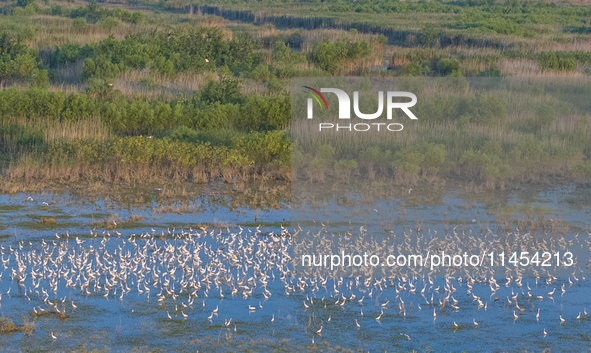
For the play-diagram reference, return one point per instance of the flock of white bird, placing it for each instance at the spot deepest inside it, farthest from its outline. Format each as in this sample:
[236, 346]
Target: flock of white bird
[242, 264]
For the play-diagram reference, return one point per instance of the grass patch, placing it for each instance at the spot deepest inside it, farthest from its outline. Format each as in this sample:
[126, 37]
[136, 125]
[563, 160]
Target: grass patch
[95, 215]
[8, 326]
[42, 218]
[10, 208]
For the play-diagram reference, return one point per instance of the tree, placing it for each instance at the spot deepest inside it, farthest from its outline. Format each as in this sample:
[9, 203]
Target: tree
[24, 3]
[428, 35]
[325, 57]
[93, 11]
[226, 90]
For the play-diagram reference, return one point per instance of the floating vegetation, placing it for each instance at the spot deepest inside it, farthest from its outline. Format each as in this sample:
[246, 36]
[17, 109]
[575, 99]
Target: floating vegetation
[47, 220]
[7, 326]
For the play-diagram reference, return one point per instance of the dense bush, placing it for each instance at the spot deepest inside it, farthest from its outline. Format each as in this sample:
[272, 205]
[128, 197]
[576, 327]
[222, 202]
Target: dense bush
[446, 66]
[328, 55]
[425, 158]
[138, 116]
[167, 53]
[428, 35]
[132, 158]
[94, 13]
[557, 62]
[487, 163]
[17, 61]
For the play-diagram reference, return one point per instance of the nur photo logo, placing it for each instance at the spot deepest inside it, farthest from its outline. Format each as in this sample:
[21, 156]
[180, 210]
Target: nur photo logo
[344, 109]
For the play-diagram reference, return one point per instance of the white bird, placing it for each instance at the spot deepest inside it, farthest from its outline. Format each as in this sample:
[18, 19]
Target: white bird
[545, 333]
[561, 319]
[357, 323]
[53, 336]
[206, 60]
[475, 323]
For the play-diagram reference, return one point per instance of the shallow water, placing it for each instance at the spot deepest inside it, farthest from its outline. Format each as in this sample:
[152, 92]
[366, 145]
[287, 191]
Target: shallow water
[168, 239]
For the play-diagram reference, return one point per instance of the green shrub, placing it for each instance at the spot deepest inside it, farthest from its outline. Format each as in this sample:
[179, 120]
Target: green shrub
[490, 71]
[56, 10]
[327, 55]
[428, 35]
[109, 22]
[79, 24]
[184, 134]
[344, 167]
[446, 66]
[416, 68]
[40, 79]
[552, 61]
[528, 153]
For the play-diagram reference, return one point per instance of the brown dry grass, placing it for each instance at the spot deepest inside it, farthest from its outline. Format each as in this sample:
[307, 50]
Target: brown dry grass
[55, 130]
[56, 30]
[8, 326]
[531, 68]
